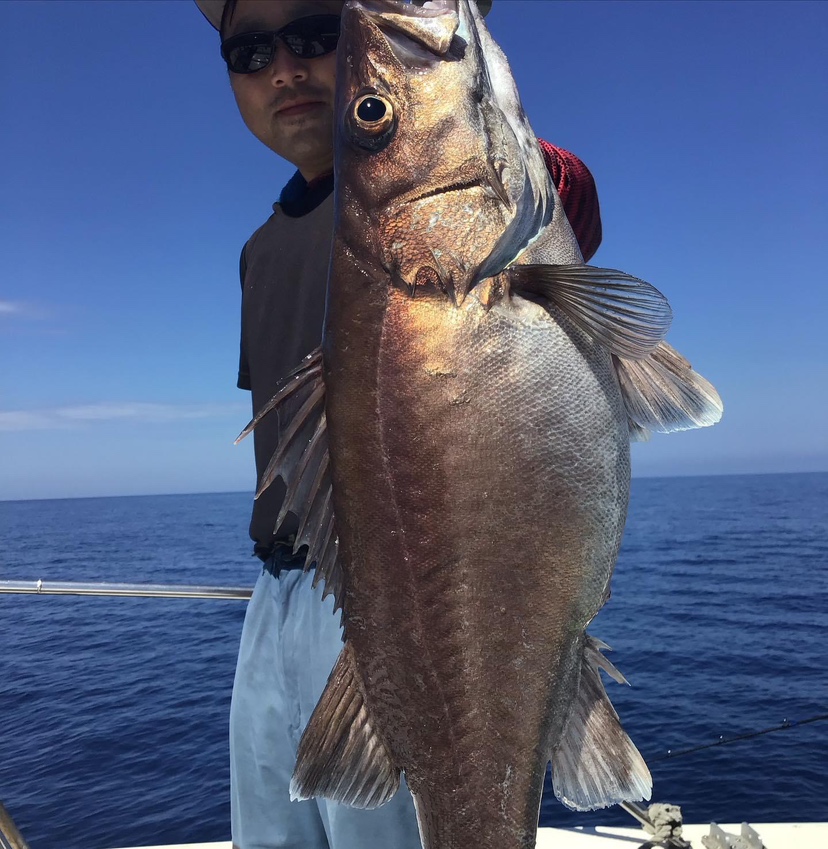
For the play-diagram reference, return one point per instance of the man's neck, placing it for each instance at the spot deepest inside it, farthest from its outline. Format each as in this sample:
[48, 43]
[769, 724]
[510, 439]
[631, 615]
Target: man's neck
[313, 181]
[311, 173]
[299, 197]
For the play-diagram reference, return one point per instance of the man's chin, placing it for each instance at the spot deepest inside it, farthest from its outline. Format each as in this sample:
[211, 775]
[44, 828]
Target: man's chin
[298, 149]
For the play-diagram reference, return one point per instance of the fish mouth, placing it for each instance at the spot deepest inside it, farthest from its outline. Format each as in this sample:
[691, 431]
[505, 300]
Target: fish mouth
[444, 190]
[492, 188]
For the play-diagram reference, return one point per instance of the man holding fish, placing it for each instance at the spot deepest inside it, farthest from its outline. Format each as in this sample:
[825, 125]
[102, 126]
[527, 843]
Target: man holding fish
[443, 271]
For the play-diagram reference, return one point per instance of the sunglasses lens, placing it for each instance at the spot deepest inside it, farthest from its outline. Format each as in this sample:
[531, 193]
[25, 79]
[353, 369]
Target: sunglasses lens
[306, 38]
[246, 55]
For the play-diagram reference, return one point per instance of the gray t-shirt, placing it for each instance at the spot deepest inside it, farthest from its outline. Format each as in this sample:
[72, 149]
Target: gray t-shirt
[284, 269]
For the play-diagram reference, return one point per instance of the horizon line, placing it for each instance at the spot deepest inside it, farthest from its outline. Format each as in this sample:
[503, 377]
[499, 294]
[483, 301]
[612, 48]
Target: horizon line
[251, 491]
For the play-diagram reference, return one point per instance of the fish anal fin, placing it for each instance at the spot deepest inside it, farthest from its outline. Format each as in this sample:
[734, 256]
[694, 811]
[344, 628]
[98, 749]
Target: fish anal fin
[624, 314]
[662, 392]
[341, 755]
[596, 764]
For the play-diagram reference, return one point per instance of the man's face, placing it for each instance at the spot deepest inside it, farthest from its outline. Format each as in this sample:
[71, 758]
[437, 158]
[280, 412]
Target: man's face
[289, 104]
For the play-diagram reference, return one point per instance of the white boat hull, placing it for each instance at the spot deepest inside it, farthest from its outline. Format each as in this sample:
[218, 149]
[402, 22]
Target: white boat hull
[775, 835]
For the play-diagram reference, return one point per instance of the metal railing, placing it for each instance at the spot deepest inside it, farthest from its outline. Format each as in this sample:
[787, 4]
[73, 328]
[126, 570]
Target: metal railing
[10, 837]
[123, 590]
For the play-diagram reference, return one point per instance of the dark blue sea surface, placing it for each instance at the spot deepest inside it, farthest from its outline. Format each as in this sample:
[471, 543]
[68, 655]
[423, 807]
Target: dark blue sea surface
[113, 712]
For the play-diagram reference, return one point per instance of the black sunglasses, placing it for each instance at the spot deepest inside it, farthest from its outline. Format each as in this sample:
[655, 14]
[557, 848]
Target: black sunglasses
[307, 38]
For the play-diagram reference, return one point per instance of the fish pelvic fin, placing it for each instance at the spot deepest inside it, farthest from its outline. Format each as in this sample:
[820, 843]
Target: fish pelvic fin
[341, 755]
[596, 764]
[302, 461]
[624, 314]
[662, 393]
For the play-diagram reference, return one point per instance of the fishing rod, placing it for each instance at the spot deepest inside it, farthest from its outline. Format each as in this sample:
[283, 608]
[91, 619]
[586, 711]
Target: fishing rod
[722, 741]
[123, 590]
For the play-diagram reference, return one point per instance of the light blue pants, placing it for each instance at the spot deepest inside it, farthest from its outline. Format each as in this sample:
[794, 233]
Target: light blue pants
[289, 644]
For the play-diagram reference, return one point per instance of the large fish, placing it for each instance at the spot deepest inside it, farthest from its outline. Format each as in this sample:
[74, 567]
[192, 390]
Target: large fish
[458, 450]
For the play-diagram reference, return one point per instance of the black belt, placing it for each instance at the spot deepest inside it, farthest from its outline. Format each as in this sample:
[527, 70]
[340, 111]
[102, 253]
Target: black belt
[282, 559]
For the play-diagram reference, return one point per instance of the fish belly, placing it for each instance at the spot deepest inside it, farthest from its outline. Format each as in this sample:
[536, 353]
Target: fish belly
[480, 465]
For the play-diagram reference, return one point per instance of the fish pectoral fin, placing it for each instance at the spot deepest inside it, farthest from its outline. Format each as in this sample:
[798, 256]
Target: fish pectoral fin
[596, 764]
[301, 460]
[341, 756]
[664, 394]
[625, 314]
[637, 433]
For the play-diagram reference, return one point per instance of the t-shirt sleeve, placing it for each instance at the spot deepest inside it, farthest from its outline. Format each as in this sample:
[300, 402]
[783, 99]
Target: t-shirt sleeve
[578, 194]
[243, 381]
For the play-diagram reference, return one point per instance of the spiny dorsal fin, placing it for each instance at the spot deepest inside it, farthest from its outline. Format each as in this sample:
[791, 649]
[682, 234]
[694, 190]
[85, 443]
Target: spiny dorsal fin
[596, 764]
[664, 394]
[341, 756]
[307, 371]
[625, 314]
[301, 461]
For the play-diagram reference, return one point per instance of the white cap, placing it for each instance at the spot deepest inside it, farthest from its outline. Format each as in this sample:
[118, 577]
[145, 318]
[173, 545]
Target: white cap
[214, 9]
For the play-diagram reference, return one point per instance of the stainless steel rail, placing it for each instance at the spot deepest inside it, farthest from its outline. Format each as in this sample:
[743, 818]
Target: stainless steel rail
[123, 590]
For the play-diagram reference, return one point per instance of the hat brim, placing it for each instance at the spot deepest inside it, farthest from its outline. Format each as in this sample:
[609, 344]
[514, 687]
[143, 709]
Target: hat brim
[213, 10]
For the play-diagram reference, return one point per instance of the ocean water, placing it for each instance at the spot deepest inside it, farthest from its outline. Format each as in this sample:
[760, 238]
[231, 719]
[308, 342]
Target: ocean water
[113, 712]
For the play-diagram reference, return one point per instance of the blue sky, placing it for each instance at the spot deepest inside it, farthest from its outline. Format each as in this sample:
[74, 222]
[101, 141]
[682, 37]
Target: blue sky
[130, 185]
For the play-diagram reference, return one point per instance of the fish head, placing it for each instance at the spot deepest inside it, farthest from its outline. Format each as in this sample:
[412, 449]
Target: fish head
[440, 180]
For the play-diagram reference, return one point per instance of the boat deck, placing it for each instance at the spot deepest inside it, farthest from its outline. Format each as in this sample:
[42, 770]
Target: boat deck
[807, 835]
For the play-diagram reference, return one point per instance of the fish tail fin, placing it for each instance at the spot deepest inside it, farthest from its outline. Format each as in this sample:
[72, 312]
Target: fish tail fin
[341, 755]
[596, 764]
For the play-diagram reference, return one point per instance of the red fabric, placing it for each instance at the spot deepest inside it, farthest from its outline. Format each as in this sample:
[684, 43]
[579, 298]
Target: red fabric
[576, 188]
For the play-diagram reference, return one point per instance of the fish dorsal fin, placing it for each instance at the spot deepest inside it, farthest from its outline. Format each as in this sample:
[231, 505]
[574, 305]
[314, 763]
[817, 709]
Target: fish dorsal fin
[301, 461]
[596, 764]
[664, 394]
[626, 315]
[341, 756]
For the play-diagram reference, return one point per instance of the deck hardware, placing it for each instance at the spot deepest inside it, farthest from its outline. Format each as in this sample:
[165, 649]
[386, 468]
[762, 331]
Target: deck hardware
[719, 839]
[662, 822]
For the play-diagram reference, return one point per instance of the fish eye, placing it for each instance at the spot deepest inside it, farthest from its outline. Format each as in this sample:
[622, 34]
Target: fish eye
[373, 113]
[372, 120]
[370, 110]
